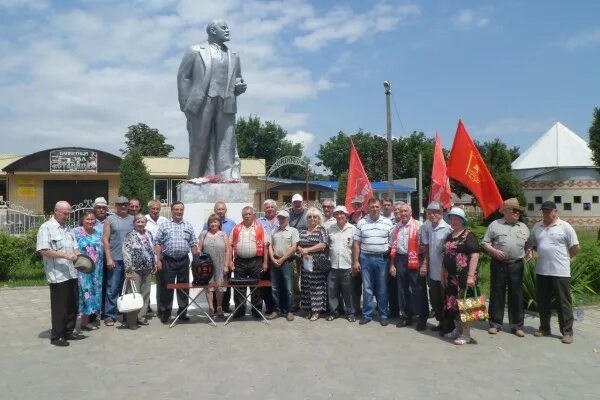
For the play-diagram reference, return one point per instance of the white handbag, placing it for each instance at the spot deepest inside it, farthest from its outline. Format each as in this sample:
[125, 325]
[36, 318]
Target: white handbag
[131, 301]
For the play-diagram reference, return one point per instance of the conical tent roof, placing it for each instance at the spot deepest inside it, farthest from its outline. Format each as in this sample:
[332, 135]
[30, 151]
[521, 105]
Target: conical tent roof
[558, 147]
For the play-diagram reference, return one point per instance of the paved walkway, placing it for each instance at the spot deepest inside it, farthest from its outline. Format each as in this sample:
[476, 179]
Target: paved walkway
[286, 360]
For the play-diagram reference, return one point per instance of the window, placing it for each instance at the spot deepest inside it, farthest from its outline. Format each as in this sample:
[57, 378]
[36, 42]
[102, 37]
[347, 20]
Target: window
[274, 194]
[3, 192]
[530, 206]
[538, 199]
[161, 190]
[595, 199]
[587, 206]
[567, 206]
[577, 199]
[558, 199]
[174, 183]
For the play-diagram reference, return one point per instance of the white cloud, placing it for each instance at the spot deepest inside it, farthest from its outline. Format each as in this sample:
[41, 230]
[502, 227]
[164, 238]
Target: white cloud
[80, 75]
[302, 137]
[587, 38]
[347, 25]
[468, 19]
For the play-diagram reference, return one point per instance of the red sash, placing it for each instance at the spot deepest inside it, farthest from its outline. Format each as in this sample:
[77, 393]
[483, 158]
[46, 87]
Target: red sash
[259, 231]
[413, 244]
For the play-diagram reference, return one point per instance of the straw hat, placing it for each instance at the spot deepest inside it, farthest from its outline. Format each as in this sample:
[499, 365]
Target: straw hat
[84, 263]
[512, 203]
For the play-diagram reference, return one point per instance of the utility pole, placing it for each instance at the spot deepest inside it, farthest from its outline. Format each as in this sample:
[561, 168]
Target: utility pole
[388, 91]
[420, 186]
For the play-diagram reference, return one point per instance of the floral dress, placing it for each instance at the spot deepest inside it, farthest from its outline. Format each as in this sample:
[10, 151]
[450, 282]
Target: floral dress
[456, 257]
[313, 283]
[90, 285]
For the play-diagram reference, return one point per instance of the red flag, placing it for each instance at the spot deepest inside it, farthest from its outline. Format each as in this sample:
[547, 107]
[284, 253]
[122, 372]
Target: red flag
[358, 181]
[466, 166]
[440, 186]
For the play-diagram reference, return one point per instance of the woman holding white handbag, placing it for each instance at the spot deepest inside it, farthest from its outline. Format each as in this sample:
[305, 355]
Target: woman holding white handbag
[140, 264]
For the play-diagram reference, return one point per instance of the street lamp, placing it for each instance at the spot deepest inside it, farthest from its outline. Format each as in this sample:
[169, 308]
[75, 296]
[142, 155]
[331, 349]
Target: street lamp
[388, 91]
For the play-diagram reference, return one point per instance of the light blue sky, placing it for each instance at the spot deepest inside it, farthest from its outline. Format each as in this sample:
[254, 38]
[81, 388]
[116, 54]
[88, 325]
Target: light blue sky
[80, 72]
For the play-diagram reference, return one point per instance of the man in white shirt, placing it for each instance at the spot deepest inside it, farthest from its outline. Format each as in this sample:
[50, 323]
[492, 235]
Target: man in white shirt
[339, 281]
[433, 235]
[556, 244]
[59, 249]
[329, 219]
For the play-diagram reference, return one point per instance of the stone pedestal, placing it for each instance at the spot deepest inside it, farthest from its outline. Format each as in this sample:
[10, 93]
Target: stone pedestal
[199, 200]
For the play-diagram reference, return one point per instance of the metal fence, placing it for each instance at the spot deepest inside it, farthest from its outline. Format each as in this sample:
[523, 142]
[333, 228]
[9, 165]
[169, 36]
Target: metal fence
[17, 220]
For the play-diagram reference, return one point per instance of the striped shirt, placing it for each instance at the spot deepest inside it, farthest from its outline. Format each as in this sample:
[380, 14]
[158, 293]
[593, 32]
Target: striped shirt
[176, 238]
[373, 235]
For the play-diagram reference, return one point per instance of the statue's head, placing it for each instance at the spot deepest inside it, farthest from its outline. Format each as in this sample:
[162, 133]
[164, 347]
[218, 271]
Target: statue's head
[218, 31]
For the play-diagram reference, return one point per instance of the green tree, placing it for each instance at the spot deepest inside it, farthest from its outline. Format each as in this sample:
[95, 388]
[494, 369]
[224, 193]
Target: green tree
[341, 193]
[335, 155]
[149, 141]
[135, 178]
[256, 139]
[594, 142]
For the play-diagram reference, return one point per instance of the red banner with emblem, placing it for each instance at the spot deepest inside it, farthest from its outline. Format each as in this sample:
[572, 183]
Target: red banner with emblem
[440, 186]
[466, 165]
[358, 181]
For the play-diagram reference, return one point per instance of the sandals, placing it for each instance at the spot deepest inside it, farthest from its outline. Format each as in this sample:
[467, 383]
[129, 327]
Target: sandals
[314, 317]
[462, 339]
[211, 312]
[331, 317]
[220, 312]
[109, 322]
[455, 334]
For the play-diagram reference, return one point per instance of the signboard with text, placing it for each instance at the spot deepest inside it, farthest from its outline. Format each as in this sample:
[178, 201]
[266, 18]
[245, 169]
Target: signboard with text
[73, 161]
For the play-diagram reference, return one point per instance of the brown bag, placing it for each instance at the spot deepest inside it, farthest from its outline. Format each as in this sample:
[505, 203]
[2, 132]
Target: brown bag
[472, 308]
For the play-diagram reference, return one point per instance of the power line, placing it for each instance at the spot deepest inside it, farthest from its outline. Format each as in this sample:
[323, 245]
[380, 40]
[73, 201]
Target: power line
[403, 131]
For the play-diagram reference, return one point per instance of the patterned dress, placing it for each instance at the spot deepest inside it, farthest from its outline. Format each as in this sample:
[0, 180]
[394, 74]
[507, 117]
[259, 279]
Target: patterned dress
[457, 256]
[90, 285]
[314, 284]
[215, 247]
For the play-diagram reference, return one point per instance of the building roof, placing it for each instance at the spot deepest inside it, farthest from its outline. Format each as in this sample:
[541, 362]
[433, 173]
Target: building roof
[178, 166]
[558, 147]
[6, 159]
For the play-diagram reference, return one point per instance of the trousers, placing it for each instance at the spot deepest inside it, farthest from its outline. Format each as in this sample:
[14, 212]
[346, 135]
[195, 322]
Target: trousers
[549, 287]
[412, 291]
[142, 283]
[63, 308]
[174, 270]
[505, 276]
[339, 282]
[247, 268]
[213, 147]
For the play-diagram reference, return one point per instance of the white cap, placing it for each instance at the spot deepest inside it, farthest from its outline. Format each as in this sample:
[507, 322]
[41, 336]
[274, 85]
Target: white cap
[458, 212]
[341, 209]
[283, 213]
[297, 197]
[434, 206]
[100, 202]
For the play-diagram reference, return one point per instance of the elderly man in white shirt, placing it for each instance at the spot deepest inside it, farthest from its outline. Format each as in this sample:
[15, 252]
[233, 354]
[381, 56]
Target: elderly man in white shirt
[433, 235]
[339, 281]
[59, 249]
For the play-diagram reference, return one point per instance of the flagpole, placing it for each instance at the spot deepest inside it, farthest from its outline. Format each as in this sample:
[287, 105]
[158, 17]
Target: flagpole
[420, 185]
[388, 90]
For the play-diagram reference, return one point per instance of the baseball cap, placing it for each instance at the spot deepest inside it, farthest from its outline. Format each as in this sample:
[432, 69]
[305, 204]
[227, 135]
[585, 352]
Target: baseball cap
[283, 213]
[548, 205]
[341, 209]
[358, 199]
[297, 197]
[100, 202]
[122, 200]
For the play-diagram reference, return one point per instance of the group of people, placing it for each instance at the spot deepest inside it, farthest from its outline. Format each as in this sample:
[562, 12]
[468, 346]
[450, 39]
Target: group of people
[333, 262]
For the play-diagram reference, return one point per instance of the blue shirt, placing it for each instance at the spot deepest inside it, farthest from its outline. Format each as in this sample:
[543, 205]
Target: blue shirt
[176, 238]
[265, 223]
[227, 226]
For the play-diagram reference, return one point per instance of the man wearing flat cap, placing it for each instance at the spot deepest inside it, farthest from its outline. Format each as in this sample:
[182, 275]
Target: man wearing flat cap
[504, 241]
[556, 244]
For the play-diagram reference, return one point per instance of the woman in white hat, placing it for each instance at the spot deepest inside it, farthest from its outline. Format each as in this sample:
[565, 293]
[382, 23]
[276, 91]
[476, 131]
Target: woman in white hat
[459, 274]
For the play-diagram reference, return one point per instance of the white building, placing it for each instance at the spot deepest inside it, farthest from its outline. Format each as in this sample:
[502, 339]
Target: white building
[559, 167]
